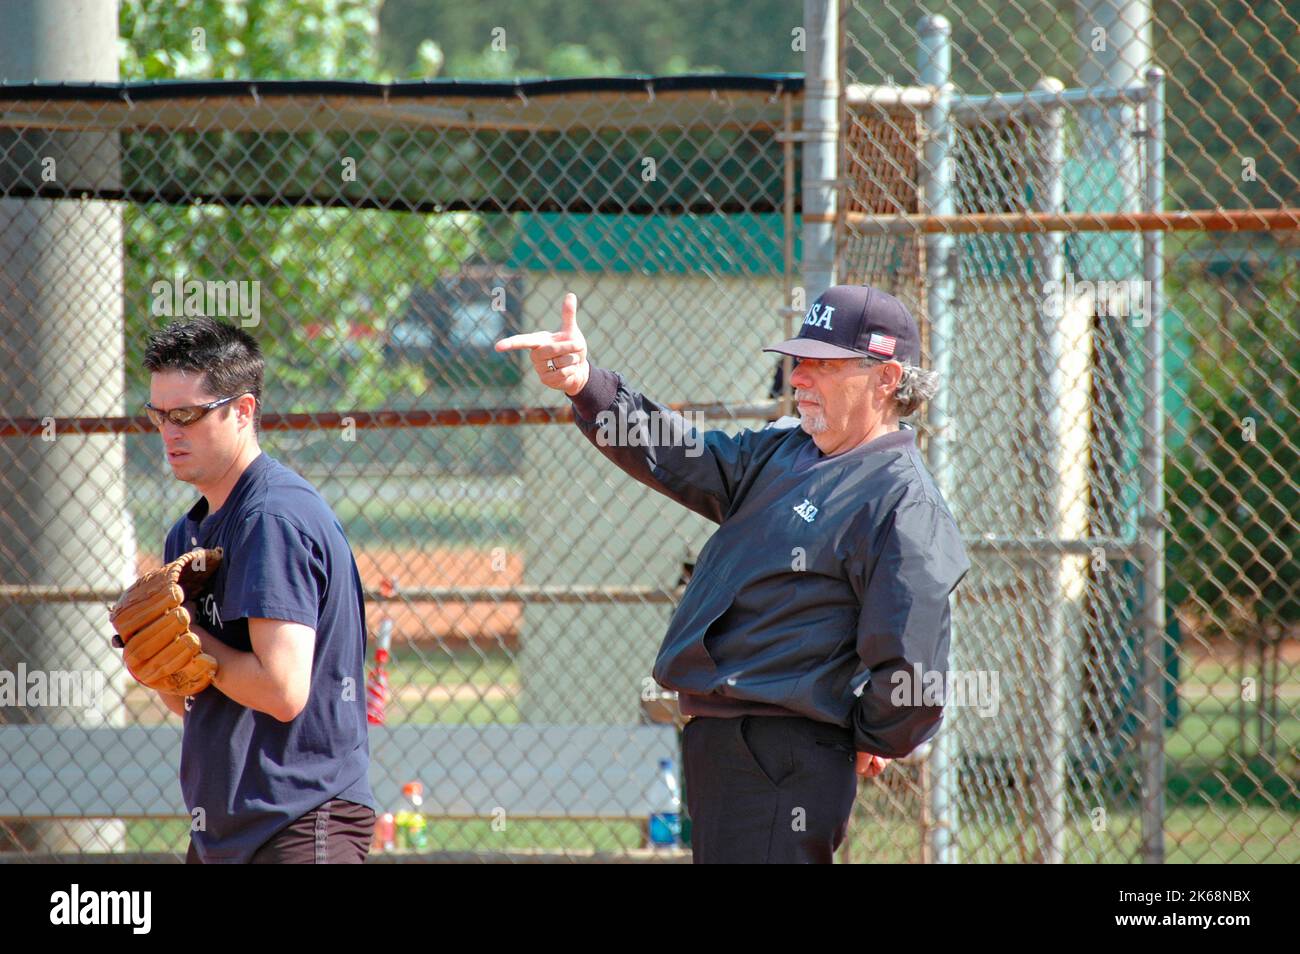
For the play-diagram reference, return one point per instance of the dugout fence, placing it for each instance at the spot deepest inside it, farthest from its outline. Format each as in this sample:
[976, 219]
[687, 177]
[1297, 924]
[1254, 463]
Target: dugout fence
[1116, 431]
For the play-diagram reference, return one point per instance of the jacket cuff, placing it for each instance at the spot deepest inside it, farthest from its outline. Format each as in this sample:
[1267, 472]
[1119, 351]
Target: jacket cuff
[597, 395]
[896, 733]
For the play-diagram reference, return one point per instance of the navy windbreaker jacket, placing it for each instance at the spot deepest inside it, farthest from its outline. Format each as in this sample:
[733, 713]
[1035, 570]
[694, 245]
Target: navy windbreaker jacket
[826, 579]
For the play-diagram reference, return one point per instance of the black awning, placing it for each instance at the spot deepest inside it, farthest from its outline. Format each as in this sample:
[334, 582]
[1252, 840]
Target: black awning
[640, 145]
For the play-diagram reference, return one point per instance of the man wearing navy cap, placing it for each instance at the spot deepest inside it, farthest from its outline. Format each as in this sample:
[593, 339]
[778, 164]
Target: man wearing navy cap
[824, 591]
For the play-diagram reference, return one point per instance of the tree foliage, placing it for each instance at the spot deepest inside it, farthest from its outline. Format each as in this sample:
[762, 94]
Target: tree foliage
[1231, 64]
[1232, 495]
[327, 275]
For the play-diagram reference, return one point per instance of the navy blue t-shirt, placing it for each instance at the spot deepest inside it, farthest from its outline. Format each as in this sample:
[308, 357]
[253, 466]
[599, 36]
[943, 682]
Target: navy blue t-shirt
[286, 558]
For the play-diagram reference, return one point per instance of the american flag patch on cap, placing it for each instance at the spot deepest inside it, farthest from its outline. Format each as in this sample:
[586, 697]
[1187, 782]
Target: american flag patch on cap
[882, 344]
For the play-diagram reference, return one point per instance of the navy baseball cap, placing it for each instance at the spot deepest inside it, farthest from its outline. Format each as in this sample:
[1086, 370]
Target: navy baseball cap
[856, 321]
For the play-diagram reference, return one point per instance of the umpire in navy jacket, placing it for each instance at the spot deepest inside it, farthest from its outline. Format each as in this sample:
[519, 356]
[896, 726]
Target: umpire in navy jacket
[823, 593]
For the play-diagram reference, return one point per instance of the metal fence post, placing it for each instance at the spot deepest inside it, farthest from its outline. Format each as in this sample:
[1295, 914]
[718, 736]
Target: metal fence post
[63, 499]
[821, 127]
[934, 68]
[1049, 780]
[1152, 530]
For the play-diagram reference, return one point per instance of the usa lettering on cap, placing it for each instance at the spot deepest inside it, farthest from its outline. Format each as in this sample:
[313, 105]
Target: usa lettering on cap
[819, 316]
[882, 344]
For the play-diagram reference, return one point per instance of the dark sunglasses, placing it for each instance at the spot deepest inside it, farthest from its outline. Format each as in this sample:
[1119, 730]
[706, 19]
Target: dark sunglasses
[184, 416]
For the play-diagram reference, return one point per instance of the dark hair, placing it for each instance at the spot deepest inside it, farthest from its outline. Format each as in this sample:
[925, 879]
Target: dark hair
[228, 357]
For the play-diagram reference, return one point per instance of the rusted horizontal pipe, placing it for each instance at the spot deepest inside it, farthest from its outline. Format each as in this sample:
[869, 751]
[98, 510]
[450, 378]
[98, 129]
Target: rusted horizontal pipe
[361, 420]
[30, 595]
[1205, 220]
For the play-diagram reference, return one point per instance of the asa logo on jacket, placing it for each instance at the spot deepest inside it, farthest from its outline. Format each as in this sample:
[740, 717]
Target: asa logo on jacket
[806, 510]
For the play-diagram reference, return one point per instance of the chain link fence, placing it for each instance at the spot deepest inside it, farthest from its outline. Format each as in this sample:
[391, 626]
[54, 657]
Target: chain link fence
[1117, 433]
[378, 242]
[1119, 437]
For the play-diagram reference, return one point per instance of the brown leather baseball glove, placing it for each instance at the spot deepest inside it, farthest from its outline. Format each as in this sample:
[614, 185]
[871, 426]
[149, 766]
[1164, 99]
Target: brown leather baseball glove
[161, 650]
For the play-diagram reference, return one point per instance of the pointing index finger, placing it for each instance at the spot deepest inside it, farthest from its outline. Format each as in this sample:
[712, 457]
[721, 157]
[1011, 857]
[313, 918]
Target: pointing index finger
[531, 340]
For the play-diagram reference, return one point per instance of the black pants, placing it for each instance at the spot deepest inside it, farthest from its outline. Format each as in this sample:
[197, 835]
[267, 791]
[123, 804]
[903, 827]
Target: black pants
[768, 789]
[337, 833]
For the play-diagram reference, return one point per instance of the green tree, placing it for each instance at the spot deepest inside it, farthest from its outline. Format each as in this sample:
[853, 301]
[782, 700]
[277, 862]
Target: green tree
[1234, 504]
[1231, 67]
[325, 273]
[249, 39]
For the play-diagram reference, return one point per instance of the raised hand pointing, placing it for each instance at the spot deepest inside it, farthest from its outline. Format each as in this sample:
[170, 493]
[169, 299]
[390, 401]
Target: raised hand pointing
[559, 357]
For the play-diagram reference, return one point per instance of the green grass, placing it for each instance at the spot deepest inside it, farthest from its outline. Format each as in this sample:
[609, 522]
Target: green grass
[1191, 837]
[452, 712]
[157, 835]
[534, 835]
[466, 670]
[1215, 669]
[451, 835]
[413, 665]
[1244, 836]
[1209, 728]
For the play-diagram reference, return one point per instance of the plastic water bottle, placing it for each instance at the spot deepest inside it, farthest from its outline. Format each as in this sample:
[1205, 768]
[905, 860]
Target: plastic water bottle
[412, 826]
[666, 820]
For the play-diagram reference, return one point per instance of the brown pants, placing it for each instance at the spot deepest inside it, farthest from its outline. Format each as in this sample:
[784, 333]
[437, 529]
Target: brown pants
[337, 833]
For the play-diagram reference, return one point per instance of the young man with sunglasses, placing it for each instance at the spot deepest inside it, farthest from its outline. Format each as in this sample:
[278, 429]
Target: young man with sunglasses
[274, 756]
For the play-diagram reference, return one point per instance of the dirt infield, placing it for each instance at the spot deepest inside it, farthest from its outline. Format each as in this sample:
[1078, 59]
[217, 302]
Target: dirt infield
[451, 624]
[492, 625]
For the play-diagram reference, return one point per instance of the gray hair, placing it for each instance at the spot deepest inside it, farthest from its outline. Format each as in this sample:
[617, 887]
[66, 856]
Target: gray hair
[915, 387]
